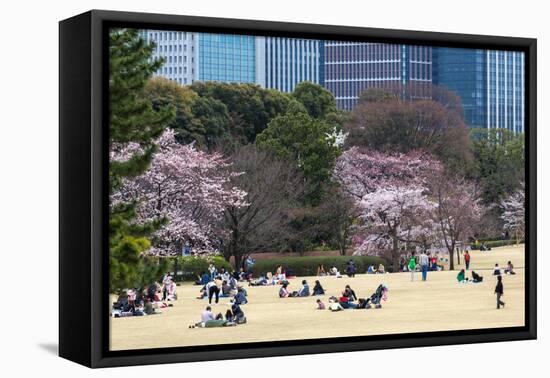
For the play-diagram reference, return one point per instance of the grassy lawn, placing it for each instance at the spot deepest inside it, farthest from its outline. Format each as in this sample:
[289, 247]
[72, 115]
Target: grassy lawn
[435, 305]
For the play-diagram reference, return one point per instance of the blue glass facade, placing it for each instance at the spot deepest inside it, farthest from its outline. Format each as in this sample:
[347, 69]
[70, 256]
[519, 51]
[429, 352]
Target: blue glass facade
[489, 83]
[225, 57]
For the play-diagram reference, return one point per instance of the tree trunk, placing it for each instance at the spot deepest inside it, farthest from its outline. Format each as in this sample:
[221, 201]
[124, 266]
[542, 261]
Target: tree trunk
[238, 261]
[451, 257]
[395, 255]
[458, 256]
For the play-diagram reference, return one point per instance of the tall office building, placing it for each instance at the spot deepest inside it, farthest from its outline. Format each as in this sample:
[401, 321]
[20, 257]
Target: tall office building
[490, 83]
[179, 51]
[289, 61]
[227, 57]
[350, 68]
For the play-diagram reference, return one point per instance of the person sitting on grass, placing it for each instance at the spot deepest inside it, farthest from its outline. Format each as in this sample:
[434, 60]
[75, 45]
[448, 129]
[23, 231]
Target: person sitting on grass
[203, 279]
[321, 270]
[280, 274]
[171, 291]
[496, 270]
[346, 302]
[226, 290]
[304, 291]
[207, 315]
[334, 304]
[349, 293]
[238, 314]
[509, 268]
[283, 291]
[461, 277]
[202, 293]
[229, 316]
[240, 297]
[334, 272]
[261, 281]
[362, 303]
[318, 289]
[371, 270]
[476, 278]
[320, 305]
[381, 269]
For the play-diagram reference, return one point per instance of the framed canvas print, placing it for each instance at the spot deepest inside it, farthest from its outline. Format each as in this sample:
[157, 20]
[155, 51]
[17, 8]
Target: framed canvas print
[234, 188]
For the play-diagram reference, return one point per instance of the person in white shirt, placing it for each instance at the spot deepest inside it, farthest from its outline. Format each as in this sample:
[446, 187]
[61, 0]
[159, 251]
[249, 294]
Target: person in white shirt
[424, 263]
[166, 282]
[207, 315]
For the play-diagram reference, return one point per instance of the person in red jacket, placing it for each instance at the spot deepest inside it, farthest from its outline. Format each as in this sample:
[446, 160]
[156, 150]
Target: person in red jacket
[467, 259]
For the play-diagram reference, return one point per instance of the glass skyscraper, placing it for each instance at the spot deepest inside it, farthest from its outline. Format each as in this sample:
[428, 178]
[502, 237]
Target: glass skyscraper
[350, 68]
[227, 57]
[490, 83]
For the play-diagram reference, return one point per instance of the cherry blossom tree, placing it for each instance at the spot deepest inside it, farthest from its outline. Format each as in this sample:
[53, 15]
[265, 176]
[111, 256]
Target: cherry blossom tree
[513, 213]
[391, 193]
[187, 188]
[362, 171]
[394, 218]
[458, 211]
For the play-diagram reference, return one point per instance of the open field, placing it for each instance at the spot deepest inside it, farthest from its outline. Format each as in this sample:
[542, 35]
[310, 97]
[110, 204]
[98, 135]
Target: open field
[435, 305]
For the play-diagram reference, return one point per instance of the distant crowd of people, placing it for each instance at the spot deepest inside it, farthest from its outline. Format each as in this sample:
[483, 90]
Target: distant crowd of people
[147, 300]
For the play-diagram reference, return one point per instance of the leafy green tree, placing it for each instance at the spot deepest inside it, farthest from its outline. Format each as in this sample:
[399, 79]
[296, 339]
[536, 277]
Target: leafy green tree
[164, 93]
[305, 141]
[132, 119]
[249, 106]
[213, 119]
[318, 101]
[499, 162]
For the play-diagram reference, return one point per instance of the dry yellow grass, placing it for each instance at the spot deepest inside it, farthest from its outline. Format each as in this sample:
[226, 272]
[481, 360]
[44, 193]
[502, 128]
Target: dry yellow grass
[435, 305]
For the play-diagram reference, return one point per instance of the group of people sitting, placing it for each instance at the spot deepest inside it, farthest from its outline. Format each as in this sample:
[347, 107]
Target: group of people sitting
[461, 277]
[205, 277]
[233, 317]
[350, 270]
[372, 270]
[304, 291]
[220, 288]
[266, 279]
[497, 271]
[349, 300]
[147, 300]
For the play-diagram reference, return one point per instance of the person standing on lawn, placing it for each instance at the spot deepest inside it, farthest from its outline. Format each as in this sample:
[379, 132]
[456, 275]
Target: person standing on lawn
[467, 259]
[412, 266]
[424, 263]
[499, 291]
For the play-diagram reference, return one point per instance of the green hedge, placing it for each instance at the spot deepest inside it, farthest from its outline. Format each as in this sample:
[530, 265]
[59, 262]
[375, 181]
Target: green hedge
[188, 267]
[307, 265]
[495, 243]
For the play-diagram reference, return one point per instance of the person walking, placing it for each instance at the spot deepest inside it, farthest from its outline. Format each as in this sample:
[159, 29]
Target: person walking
[467, 259]
[424, 263]
[412, 266]
[499, 291]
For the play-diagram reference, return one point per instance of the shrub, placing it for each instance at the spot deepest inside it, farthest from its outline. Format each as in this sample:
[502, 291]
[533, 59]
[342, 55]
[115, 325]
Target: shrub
[307, 266]
[187, 268]
[495, 243]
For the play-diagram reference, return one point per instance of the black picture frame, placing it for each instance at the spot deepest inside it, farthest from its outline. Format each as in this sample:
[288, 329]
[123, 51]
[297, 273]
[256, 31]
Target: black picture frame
[83, 195]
